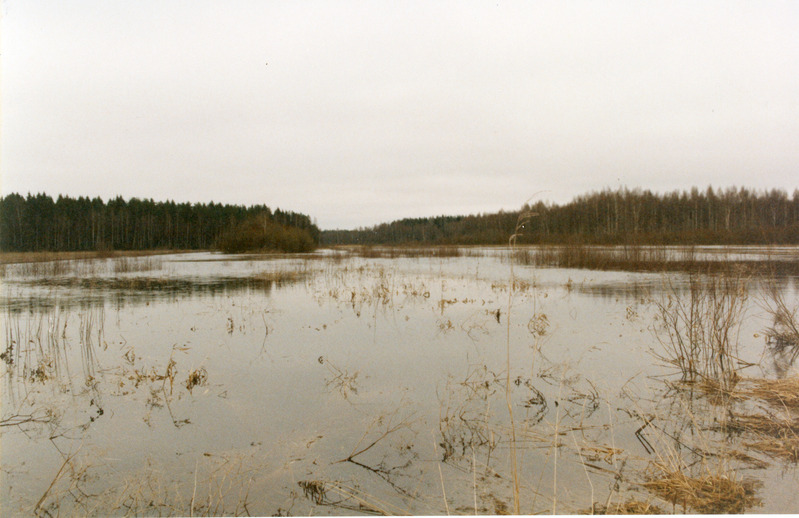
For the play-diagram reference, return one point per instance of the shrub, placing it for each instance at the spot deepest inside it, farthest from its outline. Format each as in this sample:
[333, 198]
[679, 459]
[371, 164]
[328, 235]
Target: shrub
[261, 233]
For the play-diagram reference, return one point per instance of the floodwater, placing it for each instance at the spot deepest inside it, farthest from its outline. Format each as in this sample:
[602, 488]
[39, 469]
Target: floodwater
[337, 384]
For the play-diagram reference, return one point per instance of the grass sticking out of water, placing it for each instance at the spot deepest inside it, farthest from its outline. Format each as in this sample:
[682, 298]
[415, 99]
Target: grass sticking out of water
[631, 506]
[698, 330]
[712, 493]
[163, 286]
[38, 257]
[783, 334]
[395, 252]
[779, 393]
[645, 259]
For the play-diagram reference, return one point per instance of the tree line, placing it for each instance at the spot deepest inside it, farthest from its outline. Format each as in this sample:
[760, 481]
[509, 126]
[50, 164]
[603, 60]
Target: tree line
[39, 223]
[726, 216]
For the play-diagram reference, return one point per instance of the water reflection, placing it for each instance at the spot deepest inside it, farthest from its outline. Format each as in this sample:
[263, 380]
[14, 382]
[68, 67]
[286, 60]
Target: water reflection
[629, 292]
[368, 385]
[68, 293]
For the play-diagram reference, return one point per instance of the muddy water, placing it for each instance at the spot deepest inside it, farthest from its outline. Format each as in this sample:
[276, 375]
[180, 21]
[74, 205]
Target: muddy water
[332, 384]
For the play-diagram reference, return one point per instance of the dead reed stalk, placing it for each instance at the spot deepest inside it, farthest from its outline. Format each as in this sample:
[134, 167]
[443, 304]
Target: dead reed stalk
[698, 331]
[521, 221]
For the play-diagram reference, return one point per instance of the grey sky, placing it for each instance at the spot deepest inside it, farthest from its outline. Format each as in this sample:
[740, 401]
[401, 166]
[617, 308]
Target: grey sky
[363, 112]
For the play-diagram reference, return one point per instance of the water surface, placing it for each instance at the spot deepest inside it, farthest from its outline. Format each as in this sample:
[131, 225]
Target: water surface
[335, 384]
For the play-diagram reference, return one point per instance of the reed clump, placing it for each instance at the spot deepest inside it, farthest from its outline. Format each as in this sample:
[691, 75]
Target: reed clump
[779, 393]
[127, 264]
[784, 447]
[776, 436]
[712, 493]
[783, 334]
[639, 258]
[698, 330]
[774, 429]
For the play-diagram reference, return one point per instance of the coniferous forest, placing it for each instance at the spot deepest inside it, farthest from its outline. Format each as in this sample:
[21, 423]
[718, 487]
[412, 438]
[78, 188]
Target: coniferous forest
[38, 223]
[728, 216]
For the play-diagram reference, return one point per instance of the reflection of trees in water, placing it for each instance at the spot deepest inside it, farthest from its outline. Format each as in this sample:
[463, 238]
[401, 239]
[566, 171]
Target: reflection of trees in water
[783, 352]
[677, 285]
[613, 292]
[782, 337]
[132, 291]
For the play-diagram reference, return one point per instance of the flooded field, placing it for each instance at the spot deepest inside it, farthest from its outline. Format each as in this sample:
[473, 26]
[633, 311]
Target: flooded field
[424, 382]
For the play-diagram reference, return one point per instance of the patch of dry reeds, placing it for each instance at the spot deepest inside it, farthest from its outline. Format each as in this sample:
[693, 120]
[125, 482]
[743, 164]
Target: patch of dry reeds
[779, 393]
[395, 252]
[698, 330]
[637, 258]
[127, 264]
[36, 257]
[783, 335]
[282, 276]
[154, 285]
[773, 435]
[712, 493]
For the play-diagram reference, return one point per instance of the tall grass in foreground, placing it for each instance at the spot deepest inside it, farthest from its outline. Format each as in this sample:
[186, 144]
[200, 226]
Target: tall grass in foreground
[523, 219]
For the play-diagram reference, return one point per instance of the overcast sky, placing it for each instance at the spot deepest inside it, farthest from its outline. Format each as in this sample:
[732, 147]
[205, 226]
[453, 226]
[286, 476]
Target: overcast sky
[362, 112]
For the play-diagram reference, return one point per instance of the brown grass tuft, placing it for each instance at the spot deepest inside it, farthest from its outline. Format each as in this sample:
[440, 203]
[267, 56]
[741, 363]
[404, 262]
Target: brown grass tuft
[777, 437]
[780, 393]
[716, 494]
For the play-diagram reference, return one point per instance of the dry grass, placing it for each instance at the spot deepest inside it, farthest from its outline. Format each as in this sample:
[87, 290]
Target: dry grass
[129, 264]
[775, 436]
[264, 280]
[393, 252]
[281, 276]
[785, 447]
[349, 499]
[37, 257]
[698, 330]
[779, 393]
[631, 506]
[635, 258]
[783, 335]
[711, 493]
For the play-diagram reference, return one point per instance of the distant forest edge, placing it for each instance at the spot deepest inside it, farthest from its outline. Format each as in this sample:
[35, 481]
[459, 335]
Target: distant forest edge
[37, 223]
[623, 216]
